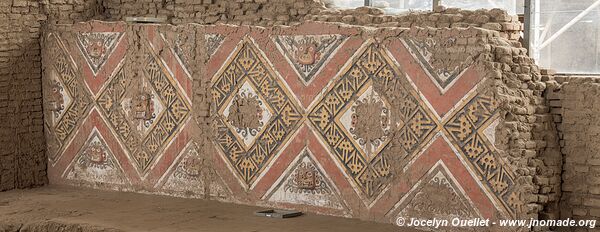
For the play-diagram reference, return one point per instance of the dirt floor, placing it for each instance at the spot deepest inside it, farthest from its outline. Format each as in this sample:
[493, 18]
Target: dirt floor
[70, 209]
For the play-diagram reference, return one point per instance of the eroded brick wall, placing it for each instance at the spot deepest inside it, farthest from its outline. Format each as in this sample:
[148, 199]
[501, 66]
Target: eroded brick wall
[120, 9]
[495, 19]
[520, 139]
[246, 12]
[290, 12]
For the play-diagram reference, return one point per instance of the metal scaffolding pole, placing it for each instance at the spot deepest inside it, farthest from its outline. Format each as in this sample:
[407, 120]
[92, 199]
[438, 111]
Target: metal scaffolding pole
[527, 26]
[436, 3]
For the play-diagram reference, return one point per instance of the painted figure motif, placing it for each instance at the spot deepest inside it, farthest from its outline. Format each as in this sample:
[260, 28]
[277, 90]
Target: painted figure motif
[370, 123]
[95, 154]
[96, 48]
[192, 166]
[56, 100]
[142, 106]
[306, 178]
[246, 114]
[307, 53]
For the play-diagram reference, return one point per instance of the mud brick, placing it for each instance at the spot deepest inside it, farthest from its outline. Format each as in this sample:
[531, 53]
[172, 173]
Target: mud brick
[592, 202]
[580, 212]
[19, 3]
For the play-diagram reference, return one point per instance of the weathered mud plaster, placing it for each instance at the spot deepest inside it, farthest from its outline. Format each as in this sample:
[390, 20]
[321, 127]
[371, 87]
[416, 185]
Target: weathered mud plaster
[371, 123]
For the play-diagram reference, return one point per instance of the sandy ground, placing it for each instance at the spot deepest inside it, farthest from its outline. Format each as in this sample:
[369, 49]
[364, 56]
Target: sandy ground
[71, 209]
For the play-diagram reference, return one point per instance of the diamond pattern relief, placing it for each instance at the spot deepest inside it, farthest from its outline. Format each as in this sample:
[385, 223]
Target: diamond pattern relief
[255, 115]
[143, 119]
[59, 97]
[367, 121]
[184, 45]
[193, 175]
[67, 99]
[145, 113]
[356, 120]
[392, 122]
[236, 112]
[468, 128]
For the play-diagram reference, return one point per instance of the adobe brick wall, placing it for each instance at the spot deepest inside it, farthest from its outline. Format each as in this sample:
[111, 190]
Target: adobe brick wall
[22, 144]
[290, 12]
[72, 11]
[22, 157]
[441, 17]
[573, 102]
[246, 12]
[548, 128]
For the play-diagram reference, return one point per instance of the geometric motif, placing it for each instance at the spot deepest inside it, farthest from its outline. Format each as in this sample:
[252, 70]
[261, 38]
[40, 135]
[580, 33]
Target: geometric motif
[68, 99]
[308, 53]
[96, 164]
[184, 45]
[371, 78]
[97, 46]
[437, 196]
[265, 112]
[145, 120]
[437, 62]
[213, 42]
[467, 127]
[192, 175]
[305, 183]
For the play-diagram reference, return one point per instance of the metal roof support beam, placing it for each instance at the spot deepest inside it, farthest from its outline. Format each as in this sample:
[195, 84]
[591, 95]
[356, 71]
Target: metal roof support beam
[569, 25]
